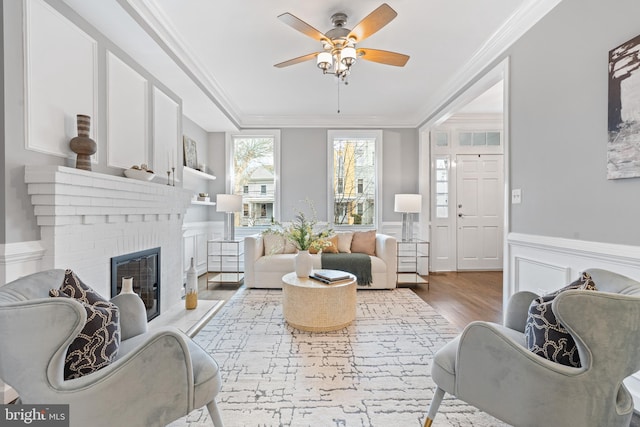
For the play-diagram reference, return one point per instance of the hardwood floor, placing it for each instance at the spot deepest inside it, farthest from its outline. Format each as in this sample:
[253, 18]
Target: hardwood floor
[462, 297]
[459, 297]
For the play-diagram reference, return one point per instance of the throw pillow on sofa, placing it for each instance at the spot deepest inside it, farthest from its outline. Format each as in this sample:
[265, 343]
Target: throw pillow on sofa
[97, 344]
[344, 241]
[364, 242]
[545, 336]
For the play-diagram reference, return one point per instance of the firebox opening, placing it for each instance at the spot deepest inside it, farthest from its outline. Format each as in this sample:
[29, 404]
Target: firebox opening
[144, 267]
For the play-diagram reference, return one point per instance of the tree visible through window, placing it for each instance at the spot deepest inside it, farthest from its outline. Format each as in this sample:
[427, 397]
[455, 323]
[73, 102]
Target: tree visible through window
[253, 177]
[354, 180]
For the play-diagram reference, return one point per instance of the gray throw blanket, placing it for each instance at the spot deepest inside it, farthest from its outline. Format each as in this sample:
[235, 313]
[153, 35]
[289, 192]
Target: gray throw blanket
[355, 263]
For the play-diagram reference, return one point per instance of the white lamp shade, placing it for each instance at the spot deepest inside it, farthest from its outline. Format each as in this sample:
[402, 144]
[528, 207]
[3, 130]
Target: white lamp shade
[348, 56]
[410, 203]
[228, 203]
[324, 60]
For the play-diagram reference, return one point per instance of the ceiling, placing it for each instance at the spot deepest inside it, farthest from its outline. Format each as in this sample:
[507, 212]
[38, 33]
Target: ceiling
[219, 56]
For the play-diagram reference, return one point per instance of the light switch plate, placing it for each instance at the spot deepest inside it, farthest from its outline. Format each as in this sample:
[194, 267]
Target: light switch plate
[516, 196]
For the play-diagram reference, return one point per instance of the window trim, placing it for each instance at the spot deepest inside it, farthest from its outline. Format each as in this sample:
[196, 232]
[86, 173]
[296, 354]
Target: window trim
[275, 133]
[375, 134]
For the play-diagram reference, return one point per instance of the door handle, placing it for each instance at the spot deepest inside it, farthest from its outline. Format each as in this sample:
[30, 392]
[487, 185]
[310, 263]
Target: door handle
[460, 215]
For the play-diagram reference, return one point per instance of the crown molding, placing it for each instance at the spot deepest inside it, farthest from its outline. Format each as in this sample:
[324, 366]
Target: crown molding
[517, 25]
[154, 22]
[329, 121]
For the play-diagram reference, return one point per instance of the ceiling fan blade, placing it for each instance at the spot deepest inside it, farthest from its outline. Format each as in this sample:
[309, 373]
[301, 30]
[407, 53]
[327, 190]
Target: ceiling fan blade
[301, 26]
[296, 60]
[383, 56]
[373, 22]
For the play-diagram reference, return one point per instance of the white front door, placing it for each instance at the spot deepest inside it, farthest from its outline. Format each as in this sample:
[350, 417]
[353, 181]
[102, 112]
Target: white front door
[480, 210]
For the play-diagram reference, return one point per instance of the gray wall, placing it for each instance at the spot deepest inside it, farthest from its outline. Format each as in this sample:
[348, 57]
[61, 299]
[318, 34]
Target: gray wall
[558, 132]
[197, 213]
[304, 169]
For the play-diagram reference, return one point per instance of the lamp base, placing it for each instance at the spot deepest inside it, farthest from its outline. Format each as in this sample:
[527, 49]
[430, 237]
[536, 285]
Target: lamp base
[229, 230]
[407, 227]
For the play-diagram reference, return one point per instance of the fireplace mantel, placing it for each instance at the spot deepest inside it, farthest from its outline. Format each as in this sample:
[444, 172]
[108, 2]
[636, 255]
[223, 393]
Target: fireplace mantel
[86, 218]
[65, 196]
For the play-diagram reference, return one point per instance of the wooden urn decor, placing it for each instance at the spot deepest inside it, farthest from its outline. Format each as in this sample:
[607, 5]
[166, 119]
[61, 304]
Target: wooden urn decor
[82, 145]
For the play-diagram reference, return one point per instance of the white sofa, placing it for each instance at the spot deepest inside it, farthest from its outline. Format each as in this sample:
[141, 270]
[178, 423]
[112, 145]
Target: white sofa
[266, 271]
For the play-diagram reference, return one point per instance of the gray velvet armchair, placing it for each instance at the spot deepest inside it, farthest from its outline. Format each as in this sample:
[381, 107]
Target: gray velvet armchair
[156, 378]
[489, 366]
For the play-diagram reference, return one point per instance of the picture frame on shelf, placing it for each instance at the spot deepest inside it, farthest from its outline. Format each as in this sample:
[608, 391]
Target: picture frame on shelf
[190, 152]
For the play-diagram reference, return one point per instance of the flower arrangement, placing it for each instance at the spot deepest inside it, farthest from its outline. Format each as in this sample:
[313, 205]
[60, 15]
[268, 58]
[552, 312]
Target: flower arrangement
[302, 232]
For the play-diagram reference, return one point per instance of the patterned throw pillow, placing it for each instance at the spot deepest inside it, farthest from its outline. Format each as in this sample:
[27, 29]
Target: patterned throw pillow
[97, 344]
[545, 336]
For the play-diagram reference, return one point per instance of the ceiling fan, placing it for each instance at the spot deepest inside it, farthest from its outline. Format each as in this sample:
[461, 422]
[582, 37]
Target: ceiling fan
[339, 50]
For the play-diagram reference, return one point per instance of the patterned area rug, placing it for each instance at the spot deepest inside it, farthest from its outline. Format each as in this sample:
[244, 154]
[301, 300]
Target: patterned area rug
[376, 372]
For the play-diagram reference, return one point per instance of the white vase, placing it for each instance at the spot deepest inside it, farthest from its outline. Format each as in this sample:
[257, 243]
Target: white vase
[303, 264]
[127, 285]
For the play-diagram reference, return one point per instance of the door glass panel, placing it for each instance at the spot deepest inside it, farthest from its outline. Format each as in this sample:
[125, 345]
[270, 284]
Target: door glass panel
[442, 139]
[465, 138]
[493, 138]
[442, 187]
[479, 138]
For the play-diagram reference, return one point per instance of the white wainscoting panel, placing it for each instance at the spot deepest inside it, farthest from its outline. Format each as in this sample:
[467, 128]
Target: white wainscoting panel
[20, 259]
[536, 260]
[60, 79]
[539, 277]
[127, 135]
[166, 133]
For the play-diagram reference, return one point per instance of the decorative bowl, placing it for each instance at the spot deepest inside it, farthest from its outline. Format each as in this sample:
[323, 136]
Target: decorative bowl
[140, 174]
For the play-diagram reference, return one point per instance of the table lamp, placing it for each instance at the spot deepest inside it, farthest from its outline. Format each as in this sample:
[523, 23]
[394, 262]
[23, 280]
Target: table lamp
[228, 203]
[408, 204]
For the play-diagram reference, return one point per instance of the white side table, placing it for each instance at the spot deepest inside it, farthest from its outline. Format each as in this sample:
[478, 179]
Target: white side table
[310, 305]
[223, 261]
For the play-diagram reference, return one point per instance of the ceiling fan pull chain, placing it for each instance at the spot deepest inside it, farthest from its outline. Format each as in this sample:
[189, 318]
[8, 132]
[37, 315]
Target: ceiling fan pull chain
[338, 80]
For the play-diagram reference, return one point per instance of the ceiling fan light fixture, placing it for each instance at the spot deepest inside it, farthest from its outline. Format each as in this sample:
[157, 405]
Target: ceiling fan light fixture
[324, 61]
[348, 56]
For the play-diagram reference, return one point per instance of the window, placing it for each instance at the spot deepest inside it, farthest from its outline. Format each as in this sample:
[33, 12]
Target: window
[354, 172]
[479, 139]
[442, 187]
[253, 162]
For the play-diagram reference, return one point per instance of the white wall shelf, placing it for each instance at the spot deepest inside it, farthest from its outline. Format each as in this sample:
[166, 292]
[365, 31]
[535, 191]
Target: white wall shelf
[198, 174]
[199, 202]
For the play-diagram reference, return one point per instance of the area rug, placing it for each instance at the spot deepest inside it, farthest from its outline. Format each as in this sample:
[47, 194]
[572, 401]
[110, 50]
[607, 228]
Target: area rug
[375, 372]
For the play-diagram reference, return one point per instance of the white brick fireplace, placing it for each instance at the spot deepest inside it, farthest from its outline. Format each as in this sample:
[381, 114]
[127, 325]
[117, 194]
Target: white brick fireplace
[86, 218]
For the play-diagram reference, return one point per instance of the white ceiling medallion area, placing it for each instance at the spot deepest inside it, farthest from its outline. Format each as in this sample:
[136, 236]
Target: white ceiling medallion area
[226, 51]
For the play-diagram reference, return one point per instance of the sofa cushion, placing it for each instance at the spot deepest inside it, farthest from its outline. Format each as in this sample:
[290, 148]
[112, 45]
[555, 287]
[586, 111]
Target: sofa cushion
[364, 242]
[96, 346]
[545, 336]
[344, 241]
[333, 247]
[280, 263]
[273, 243]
